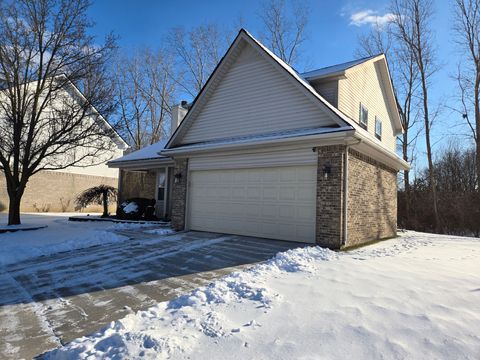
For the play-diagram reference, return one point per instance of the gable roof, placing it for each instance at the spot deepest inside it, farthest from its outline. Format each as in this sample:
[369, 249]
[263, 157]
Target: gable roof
[333, 70]
[343, 121]
[337, 116]
[341, 69]
[149, 152]
[120, 140]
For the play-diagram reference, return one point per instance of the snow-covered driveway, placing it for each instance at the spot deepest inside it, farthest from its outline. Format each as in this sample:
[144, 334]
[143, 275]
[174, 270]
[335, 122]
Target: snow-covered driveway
[48, 301]
[414, 297]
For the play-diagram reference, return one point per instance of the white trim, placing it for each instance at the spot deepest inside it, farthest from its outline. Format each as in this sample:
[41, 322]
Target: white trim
[216, 147]
[187, 198]
[140, 164]
[79, 93]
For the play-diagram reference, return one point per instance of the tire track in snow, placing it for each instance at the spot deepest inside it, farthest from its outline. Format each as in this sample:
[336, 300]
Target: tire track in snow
[37, 307]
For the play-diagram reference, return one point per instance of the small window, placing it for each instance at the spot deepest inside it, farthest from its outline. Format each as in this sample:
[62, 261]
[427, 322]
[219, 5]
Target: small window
[378, 128]
[363, 116]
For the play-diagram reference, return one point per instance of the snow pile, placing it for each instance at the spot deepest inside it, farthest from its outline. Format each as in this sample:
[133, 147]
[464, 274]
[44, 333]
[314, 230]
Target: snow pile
[129, 226]
[130, 208]
[413, 297]
[164, 231]
[175, 325]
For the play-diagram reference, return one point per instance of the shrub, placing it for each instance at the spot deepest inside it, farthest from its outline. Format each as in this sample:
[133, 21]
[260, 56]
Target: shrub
[100, 194]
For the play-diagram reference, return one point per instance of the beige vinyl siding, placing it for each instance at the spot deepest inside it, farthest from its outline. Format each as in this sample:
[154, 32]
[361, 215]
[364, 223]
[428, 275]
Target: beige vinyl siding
[254, 97]
[363, 84]
[329, 90]
[302, 156]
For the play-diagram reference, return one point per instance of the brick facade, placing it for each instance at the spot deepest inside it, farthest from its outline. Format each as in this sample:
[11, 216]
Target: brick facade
[55, 191]
[134, 184]
[372, 199]
[179, 194]
[330, 196]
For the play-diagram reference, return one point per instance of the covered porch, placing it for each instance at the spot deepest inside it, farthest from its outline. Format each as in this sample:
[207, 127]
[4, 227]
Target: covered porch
[145, 174]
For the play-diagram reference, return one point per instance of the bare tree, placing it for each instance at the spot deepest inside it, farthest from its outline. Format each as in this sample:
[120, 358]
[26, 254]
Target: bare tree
[46, 57]
[145, 93]
[467, 28]
[413, 28]
[198, 51]
[284, 33]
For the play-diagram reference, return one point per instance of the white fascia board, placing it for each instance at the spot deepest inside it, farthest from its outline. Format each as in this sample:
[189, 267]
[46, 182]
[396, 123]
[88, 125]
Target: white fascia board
[332, 76]
[121, 143]
[140, 164]
[336, 137]
[380, 153]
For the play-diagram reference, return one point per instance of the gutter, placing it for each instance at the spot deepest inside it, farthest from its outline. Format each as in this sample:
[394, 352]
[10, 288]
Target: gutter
[392, 156]
[334, 135]
[138, 163]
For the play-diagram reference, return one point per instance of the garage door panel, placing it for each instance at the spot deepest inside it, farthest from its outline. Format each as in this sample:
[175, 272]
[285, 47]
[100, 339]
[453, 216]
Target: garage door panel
[287, 192]
[306, 193]
[276, 202]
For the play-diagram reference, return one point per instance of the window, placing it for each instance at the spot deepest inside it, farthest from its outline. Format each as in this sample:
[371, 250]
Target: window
[378, 128]
[161, 185]
[363, 116]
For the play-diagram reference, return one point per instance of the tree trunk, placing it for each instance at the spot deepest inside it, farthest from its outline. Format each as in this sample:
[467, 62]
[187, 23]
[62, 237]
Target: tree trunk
[431, 172]
[105, 205]
[477, 128]
[14, 209]
[406, 178]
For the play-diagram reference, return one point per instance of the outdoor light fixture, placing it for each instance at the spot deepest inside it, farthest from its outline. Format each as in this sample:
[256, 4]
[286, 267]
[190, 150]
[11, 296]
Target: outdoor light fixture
[327, 169]
[177, 176]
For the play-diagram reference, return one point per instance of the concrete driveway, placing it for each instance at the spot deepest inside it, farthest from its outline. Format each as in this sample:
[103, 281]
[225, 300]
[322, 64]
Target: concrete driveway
[48, 301]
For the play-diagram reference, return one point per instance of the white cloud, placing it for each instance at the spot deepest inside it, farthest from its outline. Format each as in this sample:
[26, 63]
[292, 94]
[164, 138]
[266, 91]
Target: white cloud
[370, 17]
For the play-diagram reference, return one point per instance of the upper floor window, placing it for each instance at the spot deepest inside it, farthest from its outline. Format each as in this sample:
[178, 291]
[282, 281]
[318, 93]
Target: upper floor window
[378, 128]
[363, 116]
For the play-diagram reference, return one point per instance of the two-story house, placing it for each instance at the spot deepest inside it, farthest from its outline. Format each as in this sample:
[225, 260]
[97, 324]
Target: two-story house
[56, 190]
[267, 152]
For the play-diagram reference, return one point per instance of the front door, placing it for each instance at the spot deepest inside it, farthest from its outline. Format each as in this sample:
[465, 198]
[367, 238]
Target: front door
[160, 193]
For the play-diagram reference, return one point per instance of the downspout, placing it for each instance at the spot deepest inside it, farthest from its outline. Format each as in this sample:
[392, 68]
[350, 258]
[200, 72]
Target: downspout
[345, 192]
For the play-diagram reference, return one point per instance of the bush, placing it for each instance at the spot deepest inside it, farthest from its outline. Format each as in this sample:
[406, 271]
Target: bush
[100, 194]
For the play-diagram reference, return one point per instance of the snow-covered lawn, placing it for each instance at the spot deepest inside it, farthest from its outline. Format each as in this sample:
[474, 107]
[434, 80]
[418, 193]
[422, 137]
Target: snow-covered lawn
[415, 297]
[59, 235]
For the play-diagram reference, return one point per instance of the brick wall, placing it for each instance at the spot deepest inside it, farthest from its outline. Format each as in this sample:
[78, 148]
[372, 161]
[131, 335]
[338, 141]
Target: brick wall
[330, 196]
[55, 191]
[179, 195]
[137, 184]
[372, 199]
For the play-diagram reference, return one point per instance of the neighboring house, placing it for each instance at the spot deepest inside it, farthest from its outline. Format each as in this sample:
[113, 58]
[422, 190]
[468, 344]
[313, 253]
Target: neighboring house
[264, 151]
[56, 190]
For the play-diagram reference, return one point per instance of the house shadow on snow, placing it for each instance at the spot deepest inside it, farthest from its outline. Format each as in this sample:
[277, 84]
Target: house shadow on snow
[111, 266]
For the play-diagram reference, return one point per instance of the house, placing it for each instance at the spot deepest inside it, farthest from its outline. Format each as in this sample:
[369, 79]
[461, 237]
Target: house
[265, 151]
[56, 190]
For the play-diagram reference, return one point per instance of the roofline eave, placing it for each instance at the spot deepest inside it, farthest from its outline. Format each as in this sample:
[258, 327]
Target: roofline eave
[150, 163]
[337, 135]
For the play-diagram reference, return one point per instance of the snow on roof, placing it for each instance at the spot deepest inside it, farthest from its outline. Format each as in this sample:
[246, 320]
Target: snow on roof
[285, 134]
[146, 153]
[333, 69]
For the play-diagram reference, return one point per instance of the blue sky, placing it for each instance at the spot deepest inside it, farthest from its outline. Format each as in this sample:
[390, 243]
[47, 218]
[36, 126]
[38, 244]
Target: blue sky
[332, 38]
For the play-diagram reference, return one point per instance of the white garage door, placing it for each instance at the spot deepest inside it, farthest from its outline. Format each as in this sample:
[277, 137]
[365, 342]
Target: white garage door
[277, 202]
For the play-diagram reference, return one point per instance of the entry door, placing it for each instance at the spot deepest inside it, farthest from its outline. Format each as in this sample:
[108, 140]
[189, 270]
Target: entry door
[276, 202]
[161, 193]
